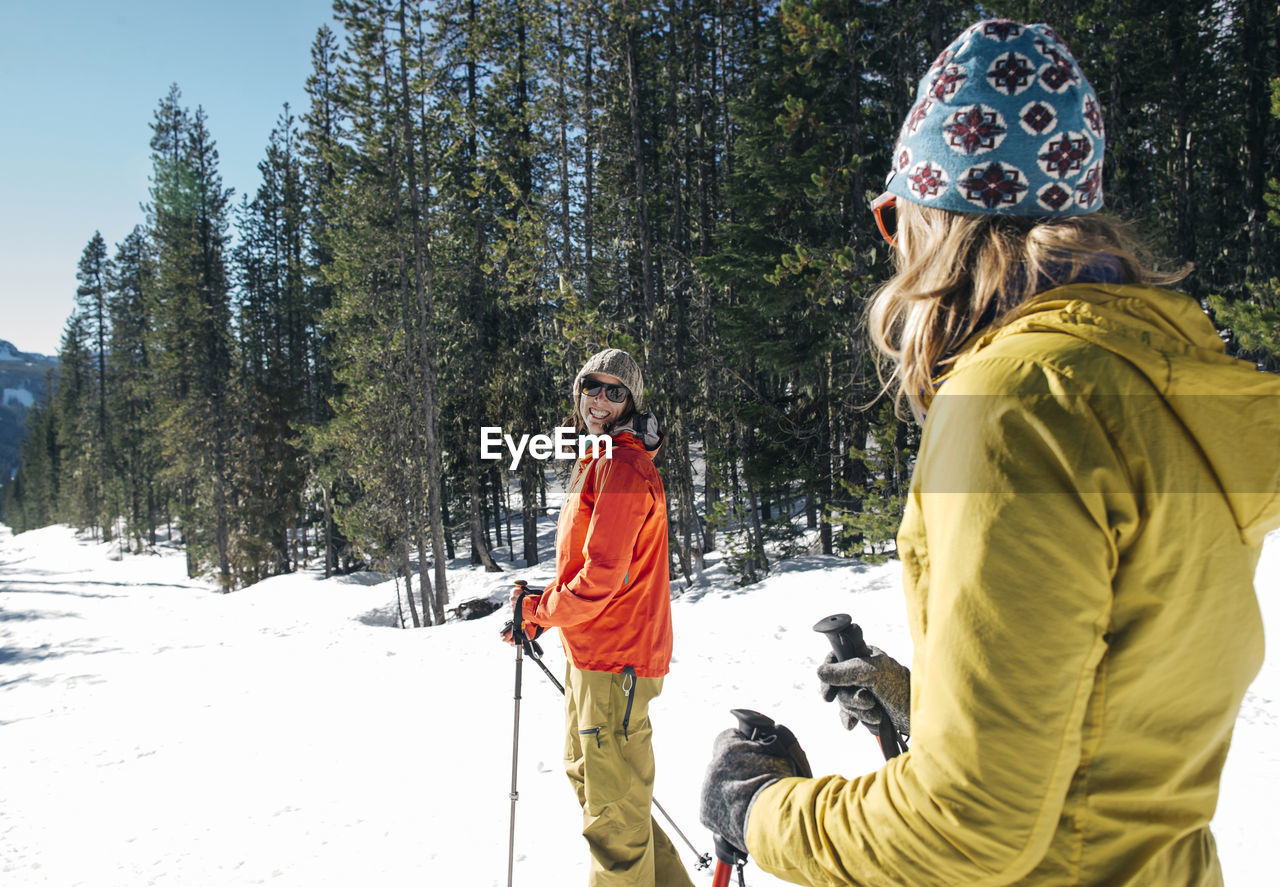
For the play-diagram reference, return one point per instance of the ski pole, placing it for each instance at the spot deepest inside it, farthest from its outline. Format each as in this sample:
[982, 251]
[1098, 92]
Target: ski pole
[704, 859]
[755, 726]
[846, 640]
[518, 638]
[534, 649]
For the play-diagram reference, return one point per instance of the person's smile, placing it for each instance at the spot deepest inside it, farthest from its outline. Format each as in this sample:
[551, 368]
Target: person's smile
[597, 410]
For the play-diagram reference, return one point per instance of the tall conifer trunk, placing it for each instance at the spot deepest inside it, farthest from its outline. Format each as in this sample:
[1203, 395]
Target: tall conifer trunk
[480, 552]
[1256, 122]
[424, 338]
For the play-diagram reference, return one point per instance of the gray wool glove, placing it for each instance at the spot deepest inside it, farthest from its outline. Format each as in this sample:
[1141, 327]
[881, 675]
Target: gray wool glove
[739, 769]
[865, 686]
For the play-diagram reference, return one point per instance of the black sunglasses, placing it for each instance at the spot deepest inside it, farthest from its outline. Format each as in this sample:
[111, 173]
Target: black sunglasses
[615, 393]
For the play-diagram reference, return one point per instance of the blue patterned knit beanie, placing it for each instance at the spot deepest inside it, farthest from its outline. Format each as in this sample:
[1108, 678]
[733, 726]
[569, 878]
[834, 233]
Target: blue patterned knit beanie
[1005, 123]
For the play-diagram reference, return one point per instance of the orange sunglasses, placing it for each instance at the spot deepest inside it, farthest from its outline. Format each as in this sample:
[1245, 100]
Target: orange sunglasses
[885, 209]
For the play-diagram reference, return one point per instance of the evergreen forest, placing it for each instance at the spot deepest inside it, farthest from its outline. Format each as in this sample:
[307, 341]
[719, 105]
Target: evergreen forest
[482, 193]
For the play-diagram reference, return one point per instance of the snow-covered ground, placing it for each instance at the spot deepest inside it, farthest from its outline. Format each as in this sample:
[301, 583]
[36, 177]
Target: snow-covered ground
[153, 731]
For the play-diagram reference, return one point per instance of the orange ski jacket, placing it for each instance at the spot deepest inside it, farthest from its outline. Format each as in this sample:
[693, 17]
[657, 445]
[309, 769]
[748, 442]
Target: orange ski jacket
[611, 598]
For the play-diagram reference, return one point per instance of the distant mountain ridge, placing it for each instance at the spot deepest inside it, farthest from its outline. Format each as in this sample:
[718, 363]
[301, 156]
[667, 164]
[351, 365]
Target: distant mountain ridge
[10, 354]
[23, 376]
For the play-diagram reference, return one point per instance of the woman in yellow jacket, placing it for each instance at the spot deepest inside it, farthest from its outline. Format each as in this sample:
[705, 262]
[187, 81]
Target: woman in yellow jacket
[611, 601]
[1094, 480]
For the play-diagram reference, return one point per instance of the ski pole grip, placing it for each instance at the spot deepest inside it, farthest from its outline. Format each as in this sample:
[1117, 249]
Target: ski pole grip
[752, 724]
[517, 618]
[845, 637]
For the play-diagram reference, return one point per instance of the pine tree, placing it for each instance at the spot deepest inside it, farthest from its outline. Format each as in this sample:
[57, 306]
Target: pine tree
[131, 403]
[74, 400]
[274, 342]
[795, 263]
[91, 307]
[1253, 318]
[470, 191]
[383, 317]
[517, 150]
[31, 498]
[189, 220]
[91, 302]
[322, 133]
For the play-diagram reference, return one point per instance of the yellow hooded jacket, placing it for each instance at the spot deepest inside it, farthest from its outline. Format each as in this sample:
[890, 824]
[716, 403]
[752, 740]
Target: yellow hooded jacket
[1094, 482]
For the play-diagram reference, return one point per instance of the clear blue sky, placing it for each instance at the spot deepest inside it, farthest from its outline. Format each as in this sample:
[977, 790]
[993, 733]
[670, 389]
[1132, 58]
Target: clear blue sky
[79, 82]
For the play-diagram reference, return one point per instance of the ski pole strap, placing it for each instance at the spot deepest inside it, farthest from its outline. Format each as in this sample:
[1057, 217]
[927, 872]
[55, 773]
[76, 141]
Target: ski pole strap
[891, 741]
[530, 643]
[534, 650]
[789, 748]
[517, 618]
[728, 857]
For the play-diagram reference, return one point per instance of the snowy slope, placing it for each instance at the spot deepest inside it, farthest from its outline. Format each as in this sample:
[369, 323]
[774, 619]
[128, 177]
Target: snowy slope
[153, 731]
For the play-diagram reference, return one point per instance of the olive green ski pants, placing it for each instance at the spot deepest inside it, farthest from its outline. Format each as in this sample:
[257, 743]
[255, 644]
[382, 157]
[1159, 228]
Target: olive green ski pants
[608, 756]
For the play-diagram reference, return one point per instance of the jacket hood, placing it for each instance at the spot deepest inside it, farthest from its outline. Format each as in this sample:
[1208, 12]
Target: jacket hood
[645, 428]
[626, 436]
[1228, 406]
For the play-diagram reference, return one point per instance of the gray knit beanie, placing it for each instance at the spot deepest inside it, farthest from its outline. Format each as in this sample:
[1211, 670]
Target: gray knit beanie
[613, 362]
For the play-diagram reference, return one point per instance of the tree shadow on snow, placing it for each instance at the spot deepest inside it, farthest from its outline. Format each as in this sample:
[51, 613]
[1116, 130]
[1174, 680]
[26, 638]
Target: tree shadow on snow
[824, 567]
[33, 615]
[381, 617]
[364, 577]
[18, 587]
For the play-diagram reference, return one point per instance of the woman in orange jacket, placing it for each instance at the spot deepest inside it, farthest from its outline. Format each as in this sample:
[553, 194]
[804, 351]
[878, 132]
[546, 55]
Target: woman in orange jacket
[611, 601]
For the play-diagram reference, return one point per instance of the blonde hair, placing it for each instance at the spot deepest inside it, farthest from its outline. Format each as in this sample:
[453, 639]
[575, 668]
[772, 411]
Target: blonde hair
[958, 272]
